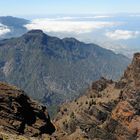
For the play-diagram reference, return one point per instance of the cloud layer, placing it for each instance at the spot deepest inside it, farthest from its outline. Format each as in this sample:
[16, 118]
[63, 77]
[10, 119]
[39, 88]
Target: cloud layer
[122, 34]
[68, 26]
[3, 29]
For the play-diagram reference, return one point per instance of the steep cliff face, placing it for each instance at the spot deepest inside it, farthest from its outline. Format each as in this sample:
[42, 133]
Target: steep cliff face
[132, 74]
[127, 111]
[21, 115]
[109, 110]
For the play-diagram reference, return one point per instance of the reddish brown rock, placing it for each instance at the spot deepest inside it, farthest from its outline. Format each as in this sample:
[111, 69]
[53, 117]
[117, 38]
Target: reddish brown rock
[108, 110]
[21, 115]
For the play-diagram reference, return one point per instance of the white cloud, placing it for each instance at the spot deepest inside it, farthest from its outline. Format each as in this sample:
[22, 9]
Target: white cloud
[3, 29]
[122, 34]
[102, 16]
[83, 17]
[69, 18]
[78, 27]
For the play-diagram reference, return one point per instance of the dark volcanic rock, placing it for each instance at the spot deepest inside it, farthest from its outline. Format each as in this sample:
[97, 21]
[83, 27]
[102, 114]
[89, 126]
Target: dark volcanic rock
[21, 115]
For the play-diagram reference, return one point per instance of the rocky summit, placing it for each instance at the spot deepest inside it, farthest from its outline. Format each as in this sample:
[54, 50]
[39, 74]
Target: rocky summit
[108, 111]
[20, 115]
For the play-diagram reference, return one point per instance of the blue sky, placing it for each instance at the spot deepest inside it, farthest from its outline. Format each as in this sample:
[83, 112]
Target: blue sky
[44, 7]
[119, 31]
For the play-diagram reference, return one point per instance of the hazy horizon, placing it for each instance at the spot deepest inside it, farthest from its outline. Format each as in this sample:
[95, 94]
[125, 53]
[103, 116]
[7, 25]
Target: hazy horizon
[112, 24]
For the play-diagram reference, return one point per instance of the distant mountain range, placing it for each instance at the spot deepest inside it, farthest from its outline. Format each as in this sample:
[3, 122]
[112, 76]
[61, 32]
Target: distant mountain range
[12, 26]
[117, 32]
[55, 70]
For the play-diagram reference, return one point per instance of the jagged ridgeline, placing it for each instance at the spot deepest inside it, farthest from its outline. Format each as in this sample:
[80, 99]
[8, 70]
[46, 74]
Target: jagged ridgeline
[54, 70]
[108, 111]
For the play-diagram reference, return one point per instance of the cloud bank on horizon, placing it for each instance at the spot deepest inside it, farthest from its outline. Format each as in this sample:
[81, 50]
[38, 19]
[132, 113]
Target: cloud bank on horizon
[87, 25]
[119, 33]
[67, 26]
[122, 34]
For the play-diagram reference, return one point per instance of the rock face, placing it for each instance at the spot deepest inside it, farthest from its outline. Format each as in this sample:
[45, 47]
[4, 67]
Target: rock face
[21, 115]
[108, 111]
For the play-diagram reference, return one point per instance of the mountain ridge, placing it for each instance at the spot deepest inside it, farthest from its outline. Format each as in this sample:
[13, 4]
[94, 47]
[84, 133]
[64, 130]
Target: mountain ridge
[53, 70]
[14, 25]
[107, 110]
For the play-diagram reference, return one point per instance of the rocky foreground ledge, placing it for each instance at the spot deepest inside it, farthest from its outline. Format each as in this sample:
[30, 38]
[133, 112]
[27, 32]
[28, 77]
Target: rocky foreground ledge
[19, 115]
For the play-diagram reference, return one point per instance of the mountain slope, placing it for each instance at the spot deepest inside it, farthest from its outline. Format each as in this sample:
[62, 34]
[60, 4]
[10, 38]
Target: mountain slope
[108, 111]
[54, 70]
[12, 26]
[21, 115]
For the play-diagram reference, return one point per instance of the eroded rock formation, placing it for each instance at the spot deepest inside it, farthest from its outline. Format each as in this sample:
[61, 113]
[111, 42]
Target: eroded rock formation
[108, 111]
[21, 115]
